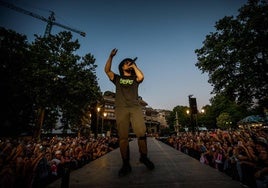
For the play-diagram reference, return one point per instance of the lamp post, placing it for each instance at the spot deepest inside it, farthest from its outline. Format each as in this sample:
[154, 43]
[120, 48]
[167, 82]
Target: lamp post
[90, 124]
[189, 119]
[200, 115]
[104, 116]
[98, 111]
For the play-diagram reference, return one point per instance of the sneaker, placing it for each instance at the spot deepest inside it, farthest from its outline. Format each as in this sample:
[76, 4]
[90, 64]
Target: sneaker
[149, 164]
[126, 169]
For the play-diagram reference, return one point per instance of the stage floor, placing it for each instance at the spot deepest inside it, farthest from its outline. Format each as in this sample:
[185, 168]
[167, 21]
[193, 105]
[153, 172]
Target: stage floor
[172, 169]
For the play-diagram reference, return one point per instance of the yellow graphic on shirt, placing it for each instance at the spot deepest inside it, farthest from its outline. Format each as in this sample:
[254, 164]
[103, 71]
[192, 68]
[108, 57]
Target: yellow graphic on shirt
[126, 81]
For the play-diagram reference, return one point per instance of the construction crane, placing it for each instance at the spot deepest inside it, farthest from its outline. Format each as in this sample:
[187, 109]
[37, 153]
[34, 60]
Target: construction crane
[50, 20]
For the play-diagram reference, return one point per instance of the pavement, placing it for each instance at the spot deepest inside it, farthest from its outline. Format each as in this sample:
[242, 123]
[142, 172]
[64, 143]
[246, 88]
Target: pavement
[172, 169]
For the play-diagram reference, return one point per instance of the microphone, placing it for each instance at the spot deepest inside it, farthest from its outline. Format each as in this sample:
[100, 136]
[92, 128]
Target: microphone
[135, 59]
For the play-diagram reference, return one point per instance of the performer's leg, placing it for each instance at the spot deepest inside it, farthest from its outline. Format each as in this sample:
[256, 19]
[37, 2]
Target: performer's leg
[122, 122]
[139, 128]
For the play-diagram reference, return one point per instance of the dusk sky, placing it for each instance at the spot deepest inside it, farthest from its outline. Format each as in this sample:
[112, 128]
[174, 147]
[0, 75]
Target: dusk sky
[163, 34]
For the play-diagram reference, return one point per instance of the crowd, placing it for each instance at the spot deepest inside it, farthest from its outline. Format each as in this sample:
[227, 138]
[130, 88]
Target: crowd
[241, 154]
[25, 162]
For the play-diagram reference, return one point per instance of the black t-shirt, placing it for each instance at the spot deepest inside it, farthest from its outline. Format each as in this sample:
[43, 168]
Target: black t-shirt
[126, 94]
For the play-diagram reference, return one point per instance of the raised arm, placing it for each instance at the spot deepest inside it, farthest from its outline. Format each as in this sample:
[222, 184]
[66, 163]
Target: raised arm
[108, 64]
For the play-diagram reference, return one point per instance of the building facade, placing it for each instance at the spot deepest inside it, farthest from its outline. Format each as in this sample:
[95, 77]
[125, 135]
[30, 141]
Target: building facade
[154, 119]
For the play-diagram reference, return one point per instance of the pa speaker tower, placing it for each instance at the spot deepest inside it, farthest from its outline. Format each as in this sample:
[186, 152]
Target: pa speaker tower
[193, 105]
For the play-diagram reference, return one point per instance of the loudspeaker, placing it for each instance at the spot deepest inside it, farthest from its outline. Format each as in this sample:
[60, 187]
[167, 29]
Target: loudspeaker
[193, 105]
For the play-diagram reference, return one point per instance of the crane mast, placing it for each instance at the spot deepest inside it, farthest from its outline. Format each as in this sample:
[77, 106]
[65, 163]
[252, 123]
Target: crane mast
[50, 20]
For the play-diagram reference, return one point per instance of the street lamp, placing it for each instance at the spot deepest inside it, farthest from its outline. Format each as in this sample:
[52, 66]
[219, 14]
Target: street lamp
[197, 116]
[98, 110]
[188, 112]
[104, 116]
[188, 126]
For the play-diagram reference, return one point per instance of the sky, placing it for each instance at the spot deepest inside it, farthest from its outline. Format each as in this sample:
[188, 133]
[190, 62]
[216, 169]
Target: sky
[163, 34]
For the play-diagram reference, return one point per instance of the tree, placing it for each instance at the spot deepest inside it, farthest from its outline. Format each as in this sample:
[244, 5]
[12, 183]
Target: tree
[183, 118]
[221, 104]
[45, 80]
[16, 106]
[204, 120]
[224, 121]
[61, 80]
[235, 56]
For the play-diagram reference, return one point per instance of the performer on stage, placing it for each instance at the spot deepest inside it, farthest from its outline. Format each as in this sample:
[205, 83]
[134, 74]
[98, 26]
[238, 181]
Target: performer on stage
[128, 109]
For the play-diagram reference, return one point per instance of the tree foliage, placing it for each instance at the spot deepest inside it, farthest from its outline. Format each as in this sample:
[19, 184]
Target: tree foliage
[16, 107]
[183, 117]
[54, 80]
[235, 56]
[221, 104]
[224, 121]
